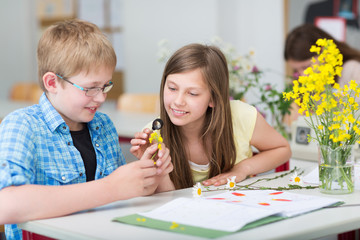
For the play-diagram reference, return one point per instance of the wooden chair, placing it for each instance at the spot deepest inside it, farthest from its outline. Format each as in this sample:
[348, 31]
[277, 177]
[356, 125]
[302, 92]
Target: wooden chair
[2, 230]
[26, 91]
[283, 167]
[139, 103]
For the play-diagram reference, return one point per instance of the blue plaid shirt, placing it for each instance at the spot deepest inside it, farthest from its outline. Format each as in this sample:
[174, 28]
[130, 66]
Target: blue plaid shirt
[36, 147]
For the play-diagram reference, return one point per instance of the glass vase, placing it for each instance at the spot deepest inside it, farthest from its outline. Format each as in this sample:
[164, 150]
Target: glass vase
[336, 169]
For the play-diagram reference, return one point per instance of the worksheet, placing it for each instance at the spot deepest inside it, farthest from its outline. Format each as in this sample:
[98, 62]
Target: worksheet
[232, 210]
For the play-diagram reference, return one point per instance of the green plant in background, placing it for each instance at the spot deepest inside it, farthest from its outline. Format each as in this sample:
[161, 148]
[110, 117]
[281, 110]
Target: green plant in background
[271, 99]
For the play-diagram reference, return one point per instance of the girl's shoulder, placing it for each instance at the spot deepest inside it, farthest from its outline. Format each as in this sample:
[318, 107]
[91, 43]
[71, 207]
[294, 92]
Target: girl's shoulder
[351, 71]
[243, 118]
[238, 106]
[352, 63]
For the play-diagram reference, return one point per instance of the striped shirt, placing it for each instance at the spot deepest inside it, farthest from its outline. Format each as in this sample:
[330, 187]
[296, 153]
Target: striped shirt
[36, 147]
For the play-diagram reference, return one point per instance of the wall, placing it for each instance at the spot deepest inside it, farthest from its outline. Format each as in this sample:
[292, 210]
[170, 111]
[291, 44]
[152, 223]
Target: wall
[148, 22]
[245, 24]
[18, 44]
[298, 9]
[242, 23]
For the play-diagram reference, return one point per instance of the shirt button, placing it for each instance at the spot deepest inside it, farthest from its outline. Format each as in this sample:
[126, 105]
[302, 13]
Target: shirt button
[68, 143]
[100, 173]
[63, 178]
[97, 145]
[97, 128]
[81, 174]
[3, 165]
[64, 127]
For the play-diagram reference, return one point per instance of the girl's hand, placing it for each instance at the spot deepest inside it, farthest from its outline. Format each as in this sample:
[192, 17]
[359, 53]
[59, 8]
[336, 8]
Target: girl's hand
[163, 161]
[140, 143]
[223, 177]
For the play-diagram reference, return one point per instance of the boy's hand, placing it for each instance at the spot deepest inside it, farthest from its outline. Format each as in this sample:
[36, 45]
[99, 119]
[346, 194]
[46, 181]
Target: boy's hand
[134, 179]
[164, 165]
[140, 143]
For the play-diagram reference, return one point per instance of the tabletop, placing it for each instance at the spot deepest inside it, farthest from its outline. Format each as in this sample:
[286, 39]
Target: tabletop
[97, 223]
[126, 123]
[7, 106]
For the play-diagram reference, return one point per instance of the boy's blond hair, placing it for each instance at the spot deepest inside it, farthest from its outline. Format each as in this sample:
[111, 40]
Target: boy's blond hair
[70, 47]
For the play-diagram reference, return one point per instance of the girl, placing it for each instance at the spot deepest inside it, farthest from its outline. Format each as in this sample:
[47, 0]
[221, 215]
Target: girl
[209, 136]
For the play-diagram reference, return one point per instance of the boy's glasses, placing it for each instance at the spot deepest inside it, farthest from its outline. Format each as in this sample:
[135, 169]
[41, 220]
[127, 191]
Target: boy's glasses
[90, 92]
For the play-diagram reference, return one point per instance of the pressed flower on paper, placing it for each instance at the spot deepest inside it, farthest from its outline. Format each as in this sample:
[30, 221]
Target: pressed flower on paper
[197, 190]
[231, 182]
[297, 179]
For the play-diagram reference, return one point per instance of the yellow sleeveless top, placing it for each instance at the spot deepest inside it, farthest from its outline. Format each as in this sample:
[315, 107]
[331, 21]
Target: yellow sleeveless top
[243, 118]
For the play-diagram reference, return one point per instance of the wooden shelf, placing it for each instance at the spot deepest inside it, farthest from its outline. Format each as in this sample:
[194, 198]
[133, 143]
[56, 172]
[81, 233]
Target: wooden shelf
[46, 22]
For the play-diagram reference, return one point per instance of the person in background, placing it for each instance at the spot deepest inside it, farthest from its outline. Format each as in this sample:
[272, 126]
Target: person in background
[210, 137]
[298, 56]
[62, 156]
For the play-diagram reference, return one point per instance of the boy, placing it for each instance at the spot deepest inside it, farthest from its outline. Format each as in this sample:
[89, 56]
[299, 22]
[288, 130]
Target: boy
[64, 141]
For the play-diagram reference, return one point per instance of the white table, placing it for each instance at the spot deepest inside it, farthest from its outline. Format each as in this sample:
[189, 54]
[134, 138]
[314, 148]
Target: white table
[97, 224]
[126, 123]
[7, 106]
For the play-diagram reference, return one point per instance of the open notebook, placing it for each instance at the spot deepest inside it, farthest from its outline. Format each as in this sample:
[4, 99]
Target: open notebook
[227, 212]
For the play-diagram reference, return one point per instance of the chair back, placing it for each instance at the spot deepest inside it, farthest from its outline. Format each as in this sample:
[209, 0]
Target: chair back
[26, 91]
[140, 103]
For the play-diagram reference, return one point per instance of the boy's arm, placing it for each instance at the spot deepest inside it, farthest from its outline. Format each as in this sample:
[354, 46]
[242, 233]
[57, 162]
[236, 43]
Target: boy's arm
[165, 185]
[29, 202]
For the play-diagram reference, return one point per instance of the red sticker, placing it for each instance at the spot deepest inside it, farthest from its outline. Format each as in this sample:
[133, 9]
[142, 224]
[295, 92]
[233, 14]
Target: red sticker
[238, 194]
[276, 193]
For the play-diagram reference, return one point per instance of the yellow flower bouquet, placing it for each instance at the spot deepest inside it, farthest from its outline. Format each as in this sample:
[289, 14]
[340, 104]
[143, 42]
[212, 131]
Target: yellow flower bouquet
[331, 112]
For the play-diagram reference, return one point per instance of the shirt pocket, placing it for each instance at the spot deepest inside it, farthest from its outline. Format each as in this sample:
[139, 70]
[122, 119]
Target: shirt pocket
[61, 177]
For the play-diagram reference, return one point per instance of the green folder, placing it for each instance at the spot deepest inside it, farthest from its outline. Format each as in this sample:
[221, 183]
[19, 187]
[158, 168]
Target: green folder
[138, 220]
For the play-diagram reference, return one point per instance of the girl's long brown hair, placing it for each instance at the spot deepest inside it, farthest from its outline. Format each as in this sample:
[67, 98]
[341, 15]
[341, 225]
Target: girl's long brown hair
[217, 127]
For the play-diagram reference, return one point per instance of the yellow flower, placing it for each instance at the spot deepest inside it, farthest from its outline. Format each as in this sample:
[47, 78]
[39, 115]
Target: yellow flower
[330, 107]
[156, 138]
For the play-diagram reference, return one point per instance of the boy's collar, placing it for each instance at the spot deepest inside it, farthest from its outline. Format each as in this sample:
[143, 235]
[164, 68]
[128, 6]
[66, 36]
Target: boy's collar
[52, 118]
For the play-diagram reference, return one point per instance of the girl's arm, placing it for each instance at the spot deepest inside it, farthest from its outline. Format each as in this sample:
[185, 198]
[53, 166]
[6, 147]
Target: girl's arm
[274, 150]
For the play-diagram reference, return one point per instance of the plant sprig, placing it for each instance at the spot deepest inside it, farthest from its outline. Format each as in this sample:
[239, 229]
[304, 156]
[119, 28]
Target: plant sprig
[251, 187]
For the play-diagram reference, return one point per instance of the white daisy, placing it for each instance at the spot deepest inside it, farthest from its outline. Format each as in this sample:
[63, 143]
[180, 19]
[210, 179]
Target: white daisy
[231, 182]
[297, 179]
[197, 190]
